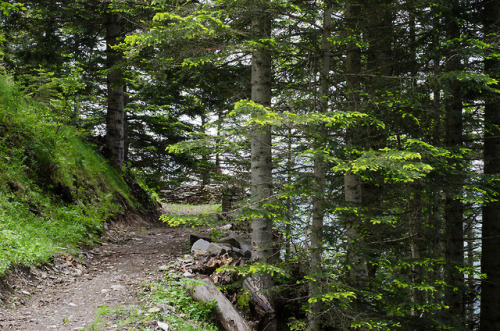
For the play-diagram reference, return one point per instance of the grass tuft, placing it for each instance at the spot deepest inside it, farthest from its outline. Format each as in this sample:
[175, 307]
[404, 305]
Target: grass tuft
[166, 301]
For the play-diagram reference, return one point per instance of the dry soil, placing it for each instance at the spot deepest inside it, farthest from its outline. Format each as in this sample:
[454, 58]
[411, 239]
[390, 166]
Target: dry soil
[68, 294]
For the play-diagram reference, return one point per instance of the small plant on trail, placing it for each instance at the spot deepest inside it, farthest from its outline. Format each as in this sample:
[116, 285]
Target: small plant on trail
[173, 291]
[216, 235]
[166, 301]
[103, 310]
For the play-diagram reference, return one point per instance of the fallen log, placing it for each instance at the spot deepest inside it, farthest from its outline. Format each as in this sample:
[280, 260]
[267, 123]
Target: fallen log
[226, 314]
[257, 297]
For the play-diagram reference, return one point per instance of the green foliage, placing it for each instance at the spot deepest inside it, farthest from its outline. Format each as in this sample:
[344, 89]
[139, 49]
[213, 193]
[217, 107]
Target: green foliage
[244, 300]
[395, 165]
[297, 325]
[348, 296]
[257, 268]
[5, 9]
[189, 62]
[55, 191]
[216, 235]
[265, 116]
[376, 325]
[191, 215]
[175, 292]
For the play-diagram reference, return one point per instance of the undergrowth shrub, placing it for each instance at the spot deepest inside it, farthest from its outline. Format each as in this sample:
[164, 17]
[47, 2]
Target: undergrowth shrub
[167, 301]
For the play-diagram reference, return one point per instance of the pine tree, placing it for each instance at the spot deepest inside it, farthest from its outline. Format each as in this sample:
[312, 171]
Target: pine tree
[115, 115]
[490, 263]
[319, 174]
[453, 209]
[261, 146]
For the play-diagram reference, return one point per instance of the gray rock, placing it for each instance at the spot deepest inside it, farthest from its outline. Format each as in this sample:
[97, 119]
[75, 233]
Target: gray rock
[226, 227]
[163, 326]
[186, 259]
[247, 250]
[240, 242]
[200, 247]
[229, 240]
[218, 249]
[237, 252]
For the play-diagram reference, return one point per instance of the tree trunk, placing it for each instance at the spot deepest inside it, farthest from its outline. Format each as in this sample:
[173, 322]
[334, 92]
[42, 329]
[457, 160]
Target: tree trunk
[115, 116]
[257, 298]
[453, 209]
[227, 316]
[205, 163]
[318, 198]
[415, 228]
[352, 182]
[289, 211]
[490, 261]
[261, 158]
[379, 32]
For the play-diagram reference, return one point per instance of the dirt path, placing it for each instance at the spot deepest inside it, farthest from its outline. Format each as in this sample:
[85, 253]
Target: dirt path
[68, 297]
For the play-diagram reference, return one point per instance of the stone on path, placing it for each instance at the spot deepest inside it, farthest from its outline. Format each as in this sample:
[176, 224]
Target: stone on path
[218, 249]
[200, 247]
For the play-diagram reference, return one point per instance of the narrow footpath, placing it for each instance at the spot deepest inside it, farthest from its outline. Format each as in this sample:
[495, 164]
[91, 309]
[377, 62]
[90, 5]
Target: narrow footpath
[67, 296]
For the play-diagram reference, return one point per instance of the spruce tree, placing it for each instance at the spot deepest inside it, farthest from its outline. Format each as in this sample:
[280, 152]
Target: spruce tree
[490, 249]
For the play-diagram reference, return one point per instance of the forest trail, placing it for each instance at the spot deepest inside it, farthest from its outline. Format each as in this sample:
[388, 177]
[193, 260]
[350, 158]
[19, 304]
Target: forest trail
[68, 296]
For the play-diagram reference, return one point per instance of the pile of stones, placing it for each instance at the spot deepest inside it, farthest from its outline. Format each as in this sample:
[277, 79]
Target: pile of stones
[207, 256]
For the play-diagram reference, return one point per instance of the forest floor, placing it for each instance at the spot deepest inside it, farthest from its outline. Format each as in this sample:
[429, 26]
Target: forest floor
[68, 295]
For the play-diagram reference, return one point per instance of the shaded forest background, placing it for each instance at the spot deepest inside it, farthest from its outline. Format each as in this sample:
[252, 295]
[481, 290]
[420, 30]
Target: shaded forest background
[365, 134]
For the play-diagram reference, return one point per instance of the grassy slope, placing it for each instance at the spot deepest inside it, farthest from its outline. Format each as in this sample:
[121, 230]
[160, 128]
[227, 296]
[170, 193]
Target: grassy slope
[55, 191]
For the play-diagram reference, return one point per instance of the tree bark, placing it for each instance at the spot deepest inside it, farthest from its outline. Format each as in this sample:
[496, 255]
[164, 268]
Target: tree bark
[318, 198]
[490, 261]
[352, 182]
[453, 209]
[228, 317]
[260, 138]
[257, 298]
[379, 32]
[115, 116]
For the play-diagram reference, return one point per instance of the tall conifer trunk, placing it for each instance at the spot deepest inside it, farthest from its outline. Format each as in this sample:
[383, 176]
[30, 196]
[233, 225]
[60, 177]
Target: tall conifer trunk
[376, 84]
[261, 157]
[318, 199]
[453, 209]
[377, 30]
[115, 116]
[490, 259]
[352, 182]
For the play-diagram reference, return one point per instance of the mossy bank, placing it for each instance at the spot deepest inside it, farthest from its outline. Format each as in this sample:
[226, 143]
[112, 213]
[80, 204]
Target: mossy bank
[55, 189]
